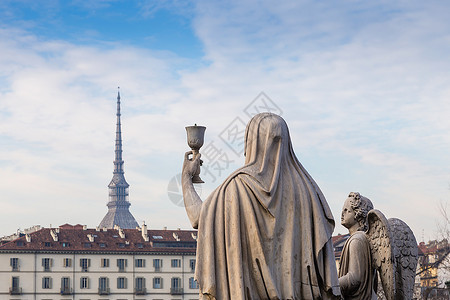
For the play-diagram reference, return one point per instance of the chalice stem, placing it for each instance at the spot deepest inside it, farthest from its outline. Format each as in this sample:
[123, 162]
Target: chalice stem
[196, 178]
[195, 154]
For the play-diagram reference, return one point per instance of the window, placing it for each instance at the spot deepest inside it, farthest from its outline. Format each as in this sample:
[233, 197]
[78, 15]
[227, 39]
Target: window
[103, 285]
[140, 245]
[84, 283]
[192, 265]
[47, 263]
[176, 263]
[193, 284]
[103, 282]
[47, 244]
[140, 283]
[46, 283]
[87, 245]
[121, 264]
[85, 263]
[102, 245]
[19, 243]
[65, 244]
[67, 262]
[105, 263]
[139, 263]
[176, 282]
[65, 285]
[157, 283]
[14, 263]
[176, 285]
[15, 284]
[157, 264]
[121, 283]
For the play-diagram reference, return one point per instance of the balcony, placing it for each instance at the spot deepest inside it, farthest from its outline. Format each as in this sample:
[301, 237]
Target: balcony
[103, 291]
[176, 291]
[15, 290]
[66, 290]
[140, 291]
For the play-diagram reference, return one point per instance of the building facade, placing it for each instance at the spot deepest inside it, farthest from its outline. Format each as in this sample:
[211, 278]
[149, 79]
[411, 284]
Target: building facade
[74, 262]
[433, 280]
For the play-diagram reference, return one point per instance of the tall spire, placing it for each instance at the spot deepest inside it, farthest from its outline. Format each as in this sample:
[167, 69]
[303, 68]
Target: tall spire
[118, 162]
[118, 205]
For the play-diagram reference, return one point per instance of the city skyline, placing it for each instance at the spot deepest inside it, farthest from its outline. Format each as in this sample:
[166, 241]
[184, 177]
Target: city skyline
[362, 87]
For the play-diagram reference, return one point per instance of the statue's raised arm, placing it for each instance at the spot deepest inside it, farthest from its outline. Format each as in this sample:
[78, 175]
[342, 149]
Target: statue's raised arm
[192, 201]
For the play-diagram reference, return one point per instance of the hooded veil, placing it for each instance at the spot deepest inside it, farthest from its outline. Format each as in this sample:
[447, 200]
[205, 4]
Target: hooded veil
[265, 233]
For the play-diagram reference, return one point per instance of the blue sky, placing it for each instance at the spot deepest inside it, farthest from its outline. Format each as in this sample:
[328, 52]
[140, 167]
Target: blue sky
[147, 24]
[362, 85]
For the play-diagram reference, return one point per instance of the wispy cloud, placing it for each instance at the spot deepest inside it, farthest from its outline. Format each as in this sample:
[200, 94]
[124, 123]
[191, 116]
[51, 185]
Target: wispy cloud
[362, 87]
[148, 8]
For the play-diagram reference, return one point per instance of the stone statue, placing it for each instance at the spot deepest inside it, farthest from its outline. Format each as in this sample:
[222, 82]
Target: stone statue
[356, 277]
[265, 232]
[375, 245]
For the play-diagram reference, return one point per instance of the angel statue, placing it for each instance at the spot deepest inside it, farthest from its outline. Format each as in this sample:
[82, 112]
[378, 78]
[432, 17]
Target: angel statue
[376, 245]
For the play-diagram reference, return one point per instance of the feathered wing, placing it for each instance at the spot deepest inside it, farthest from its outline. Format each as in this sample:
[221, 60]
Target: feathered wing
[381, 247]
[405, 258]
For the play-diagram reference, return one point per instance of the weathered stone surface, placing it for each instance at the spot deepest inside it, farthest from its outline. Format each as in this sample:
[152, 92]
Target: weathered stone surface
[387, 246]
[265, 233]
[356, 278]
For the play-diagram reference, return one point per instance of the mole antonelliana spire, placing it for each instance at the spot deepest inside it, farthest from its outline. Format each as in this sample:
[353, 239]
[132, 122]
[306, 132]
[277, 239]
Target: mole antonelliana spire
[118, 205]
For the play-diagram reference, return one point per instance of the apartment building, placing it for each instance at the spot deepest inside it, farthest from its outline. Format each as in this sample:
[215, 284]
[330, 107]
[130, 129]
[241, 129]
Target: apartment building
[74, 262]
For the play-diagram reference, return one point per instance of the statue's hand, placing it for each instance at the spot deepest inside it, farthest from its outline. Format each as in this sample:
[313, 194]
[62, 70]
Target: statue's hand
[190, 165]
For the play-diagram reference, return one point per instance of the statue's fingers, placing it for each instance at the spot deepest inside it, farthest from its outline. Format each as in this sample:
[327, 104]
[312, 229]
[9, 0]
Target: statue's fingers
[186, 155]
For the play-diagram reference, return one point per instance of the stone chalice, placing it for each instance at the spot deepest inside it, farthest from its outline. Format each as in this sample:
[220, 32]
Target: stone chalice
[195, 139]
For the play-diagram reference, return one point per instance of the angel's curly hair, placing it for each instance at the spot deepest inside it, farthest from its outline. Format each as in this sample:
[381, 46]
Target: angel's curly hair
[361, 206]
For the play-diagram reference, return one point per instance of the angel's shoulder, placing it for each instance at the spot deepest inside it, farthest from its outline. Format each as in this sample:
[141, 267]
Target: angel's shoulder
[358, 237]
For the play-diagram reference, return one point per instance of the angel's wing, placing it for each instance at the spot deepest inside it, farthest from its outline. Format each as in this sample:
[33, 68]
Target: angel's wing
[405, 258]
[381, 247]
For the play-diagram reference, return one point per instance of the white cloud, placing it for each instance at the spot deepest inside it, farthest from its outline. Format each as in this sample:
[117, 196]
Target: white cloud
[362, 87]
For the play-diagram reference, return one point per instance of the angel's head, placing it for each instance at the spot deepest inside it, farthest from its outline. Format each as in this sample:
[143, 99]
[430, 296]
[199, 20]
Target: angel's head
[354, 212]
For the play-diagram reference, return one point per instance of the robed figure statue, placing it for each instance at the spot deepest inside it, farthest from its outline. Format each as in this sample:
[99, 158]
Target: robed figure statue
[265, 232]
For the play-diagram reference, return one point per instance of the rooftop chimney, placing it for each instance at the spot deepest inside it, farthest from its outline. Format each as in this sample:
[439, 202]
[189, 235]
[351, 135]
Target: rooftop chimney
[144, 232]
[90, 237]
[54, 235]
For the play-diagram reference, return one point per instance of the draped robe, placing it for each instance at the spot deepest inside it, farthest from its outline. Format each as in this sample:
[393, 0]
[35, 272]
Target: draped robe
[356, 276]
[265, 233]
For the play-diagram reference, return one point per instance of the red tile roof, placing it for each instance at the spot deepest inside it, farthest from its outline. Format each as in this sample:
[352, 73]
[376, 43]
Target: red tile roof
[73, 238]
[427, 249]
[338, 238]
